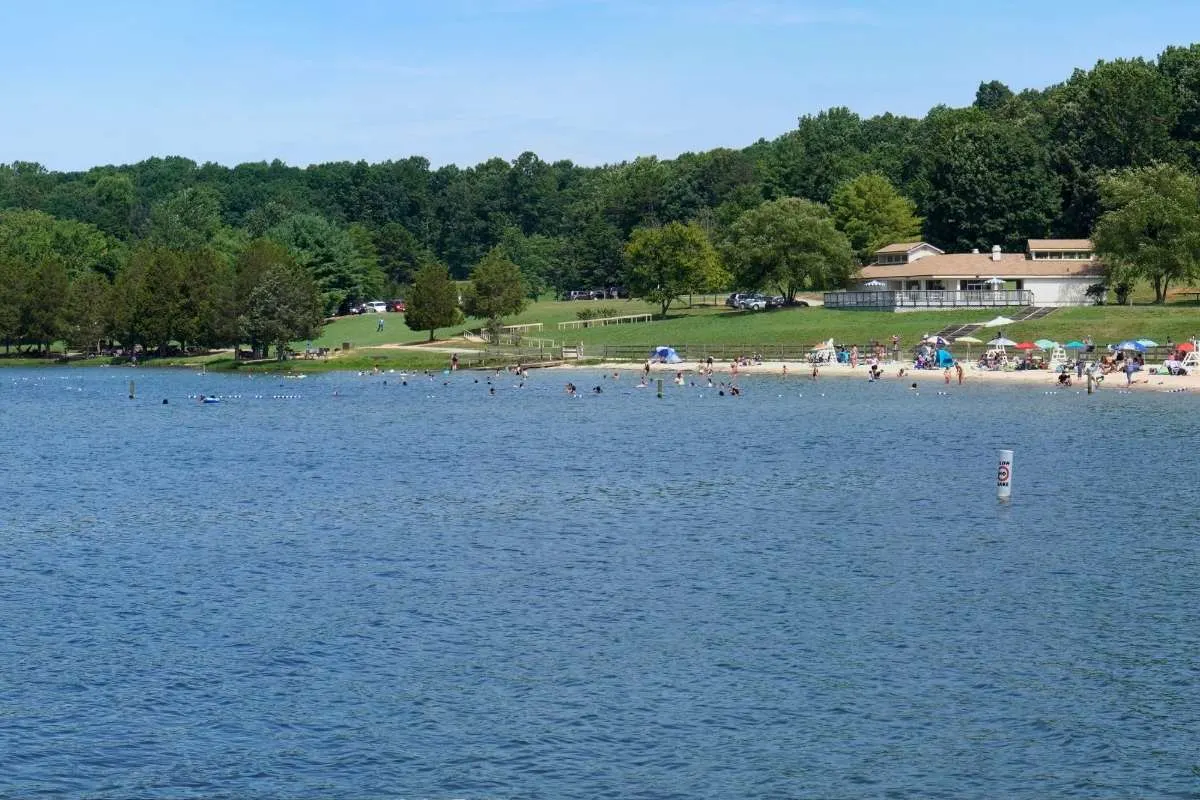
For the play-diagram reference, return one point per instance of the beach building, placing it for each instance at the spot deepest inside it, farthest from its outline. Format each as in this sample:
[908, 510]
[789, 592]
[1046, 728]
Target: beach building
[917, 275]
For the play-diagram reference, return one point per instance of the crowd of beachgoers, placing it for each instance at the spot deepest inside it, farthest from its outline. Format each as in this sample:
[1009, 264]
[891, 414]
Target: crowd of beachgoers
[1088, 365]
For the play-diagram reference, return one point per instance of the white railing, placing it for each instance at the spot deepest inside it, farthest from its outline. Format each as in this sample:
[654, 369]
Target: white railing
[521, 329]
[929, 298]
[575, 324]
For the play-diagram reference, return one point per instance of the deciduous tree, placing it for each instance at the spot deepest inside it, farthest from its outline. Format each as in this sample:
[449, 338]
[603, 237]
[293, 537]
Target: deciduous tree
[668, 262]
[871, 213]
[791, 244]
[1152, 227]
[496, 290]
[284, 307]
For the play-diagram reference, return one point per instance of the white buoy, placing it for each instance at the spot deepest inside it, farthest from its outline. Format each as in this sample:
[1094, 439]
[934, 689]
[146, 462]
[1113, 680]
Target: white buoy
[1004, 476]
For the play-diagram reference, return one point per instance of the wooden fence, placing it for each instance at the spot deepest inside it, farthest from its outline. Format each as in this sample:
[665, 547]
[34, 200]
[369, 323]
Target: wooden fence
[576, 324]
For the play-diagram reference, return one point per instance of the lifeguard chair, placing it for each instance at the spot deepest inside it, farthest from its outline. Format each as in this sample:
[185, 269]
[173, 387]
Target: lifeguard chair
[997, 356]
[1058, 358]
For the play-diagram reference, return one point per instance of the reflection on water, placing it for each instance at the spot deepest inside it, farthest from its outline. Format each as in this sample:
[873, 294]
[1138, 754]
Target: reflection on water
[345, 586]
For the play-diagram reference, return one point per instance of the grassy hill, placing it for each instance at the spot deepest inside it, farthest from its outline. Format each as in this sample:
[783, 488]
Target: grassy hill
[714, 325]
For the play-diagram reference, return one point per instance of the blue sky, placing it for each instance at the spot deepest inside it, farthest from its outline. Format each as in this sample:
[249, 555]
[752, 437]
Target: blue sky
[595, 81]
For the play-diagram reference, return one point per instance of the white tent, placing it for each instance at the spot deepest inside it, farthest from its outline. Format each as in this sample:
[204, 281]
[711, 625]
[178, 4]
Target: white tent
[997, 322]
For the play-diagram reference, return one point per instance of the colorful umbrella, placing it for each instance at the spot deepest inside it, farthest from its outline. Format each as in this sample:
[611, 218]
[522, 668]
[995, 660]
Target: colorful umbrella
[1130, 345]
[1074, 345]
[1026, 346]
[1046, 344]
[1147, 343]
[1185, 347]
[1001, 342]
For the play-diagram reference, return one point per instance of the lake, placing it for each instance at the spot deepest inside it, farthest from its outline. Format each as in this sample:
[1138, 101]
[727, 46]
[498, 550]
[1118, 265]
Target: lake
[352, 586]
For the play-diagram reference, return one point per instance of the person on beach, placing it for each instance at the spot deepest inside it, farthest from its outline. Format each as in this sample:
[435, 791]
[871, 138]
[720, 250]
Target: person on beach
[946, 375]
[814, 372]
[453, 361]
[958, 368]
[853, 356]
[785, 370]
[1130, 368]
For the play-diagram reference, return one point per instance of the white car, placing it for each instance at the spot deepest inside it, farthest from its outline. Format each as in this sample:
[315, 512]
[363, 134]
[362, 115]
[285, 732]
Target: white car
[375, 307]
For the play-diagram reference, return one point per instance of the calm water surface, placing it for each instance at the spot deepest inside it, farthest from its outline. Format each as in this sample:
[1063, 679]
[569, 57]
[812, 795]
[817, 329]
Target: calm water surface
[424, 591]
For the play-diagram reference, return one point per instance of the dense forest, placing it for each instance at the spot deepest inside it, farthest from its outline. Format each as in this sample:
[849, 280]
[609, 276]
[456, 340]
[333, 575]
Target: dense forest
[171, 251]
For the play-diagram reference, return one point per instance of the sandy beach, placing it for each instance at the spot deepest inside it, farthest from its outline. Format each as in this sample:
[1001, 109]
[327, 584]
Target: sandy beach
[1041, 379]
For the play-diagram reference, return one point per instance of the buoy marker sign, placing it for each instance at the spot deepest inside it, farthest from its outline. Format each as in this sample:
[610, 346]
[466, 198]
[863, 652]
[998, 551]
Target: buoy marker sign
[1004, 476]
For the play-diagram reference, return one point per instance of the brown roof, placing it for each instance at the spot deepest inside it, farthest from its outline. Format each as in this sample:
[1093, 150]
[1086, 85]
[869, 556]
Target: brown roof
[980, 265]
[902, 247]
[1060, 244]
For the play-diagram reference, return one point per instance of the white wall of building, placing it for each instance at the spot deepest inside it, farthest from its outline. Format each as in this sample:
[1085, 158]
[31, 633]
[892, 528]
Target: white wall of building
[1060, 291]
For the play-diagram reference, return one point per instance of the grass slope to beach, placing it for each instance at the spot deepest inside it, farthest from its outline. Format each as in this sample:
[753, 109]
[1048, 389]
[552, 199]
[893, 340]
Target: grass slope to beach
[715, 325]
[397, 347]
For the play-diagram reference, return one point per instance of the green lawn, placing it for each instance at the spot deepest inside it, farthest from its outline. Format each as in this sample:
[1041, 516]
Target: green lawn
[360, 330]
[710, 325]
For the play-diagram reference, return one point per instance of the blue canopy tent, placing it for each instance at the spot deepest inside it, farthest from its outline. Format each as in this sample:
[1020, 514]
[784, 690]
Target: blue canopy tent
[665, 355]
[944, 359]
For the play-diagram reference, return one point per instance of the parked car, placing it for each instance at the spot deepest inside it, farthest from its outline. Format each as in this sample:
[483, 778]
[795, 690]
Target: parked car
[754, 302]
[375, 307]
[735, 300]
[397, 306]
[587, 294]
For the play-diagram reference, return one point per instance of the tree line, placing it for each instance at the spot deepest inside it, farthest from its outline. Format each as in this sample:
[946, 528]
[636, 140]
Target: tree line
[168, 252]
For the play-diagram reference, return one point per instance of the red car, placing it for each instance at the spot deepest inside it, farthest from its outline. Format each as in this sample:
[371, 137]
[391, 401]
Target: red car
[397, 305]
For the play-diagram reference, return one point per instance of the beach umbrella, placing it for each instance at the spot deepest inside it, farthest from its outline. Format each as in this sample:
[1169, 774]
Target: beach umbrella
[875, 283]
[1025, 346]
[968, 341]
[937, 340]
[1130, 345]
[997, 322]
[1147, 343]
[1046, 344]
[1185, 347]
[1074, 345]
[995, 281]
[1001, 342]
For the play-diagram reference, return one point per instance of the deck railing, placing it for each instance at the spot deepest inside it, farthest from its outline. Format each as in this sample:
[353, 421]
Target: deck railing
[928, 298]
